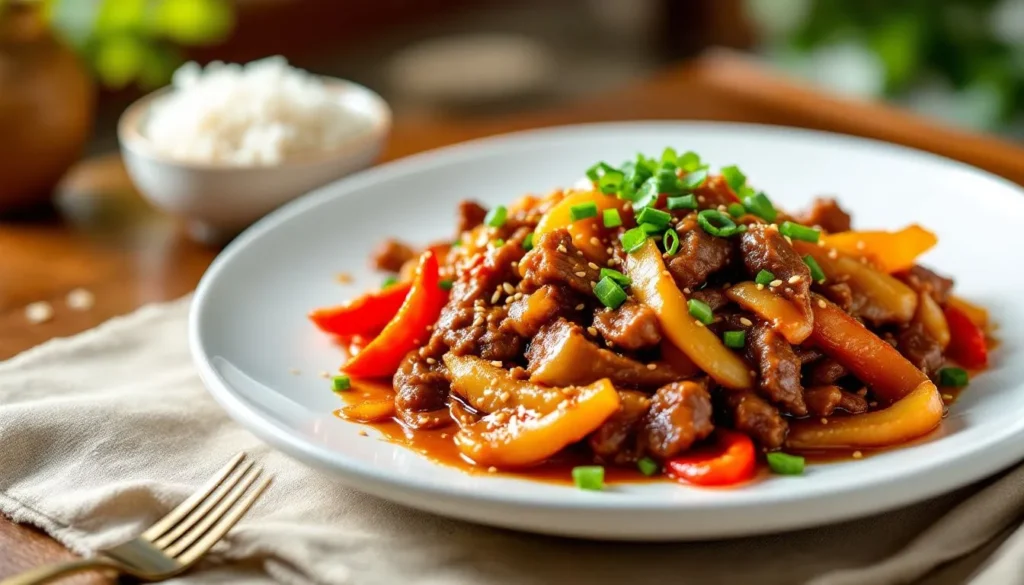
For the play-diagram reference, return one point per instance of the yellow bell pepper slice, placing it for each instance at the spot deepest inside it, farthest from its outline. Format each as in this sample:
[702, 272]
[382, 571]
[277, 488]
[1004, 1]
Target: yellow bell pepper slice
[898, 299]
[780, 312]
[584, 229]
[654, 287]
[889, 251]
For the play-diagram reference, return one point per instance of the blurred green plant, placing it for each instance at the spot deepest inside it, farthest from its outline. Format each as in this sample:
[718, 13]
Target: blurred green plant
[138, 41]
[960, 59]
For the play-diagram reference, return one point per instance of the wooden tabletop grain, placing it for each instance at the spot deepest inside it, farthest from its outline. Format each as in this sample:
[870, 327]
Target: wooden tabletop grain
[103, 238]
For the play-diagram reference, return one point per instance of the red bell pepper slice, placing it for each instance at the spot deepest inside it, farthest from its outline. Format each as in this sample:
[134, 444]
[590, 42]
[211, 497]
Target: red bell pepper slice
[407, 330]
[966, 340]
[362, 315]
[730, 460]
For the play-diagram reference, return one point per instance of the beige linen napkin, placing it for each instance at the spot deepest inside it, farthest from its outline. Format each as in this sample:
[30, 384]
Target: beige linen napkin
[102, 433]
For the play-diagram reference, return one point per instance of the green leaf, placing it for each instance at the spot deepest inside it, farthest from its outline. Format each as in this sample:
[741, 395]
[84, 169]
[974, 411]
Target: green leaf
[119, 59]
[195, 22]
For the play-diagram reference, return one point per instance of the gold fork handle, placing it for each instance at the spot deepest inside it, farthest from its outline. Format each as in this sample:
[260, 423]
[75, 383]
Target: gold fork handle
[55, 571]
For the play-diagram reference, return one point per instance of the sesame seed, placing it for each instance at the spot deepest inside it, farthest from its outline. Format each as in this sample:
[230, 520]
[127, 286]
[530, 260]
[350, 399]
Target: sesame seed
[609, 250]
[608, 343]
[594, 266]
[430, 361]
[592, 330]
[611, 262]
[775, 283]
[861, 245]
[444, 435]
[824, 421]
[577, 236]
[595, 241]
[579, 252]
[495, 296]
[492, 469]
[833, 254]
[325, 374]
[752, 372]
[666, 273]
[821, 243]
[723, 208]
[580, 306]
[862, 392]
[343, 277]
[39, 312]
[508, 288]
[700, 198]
[947, 397]
[760, 286]
[363, 433]
[652, 366]
[857, 454]
[746, 322]
[80, 299]
[699, 324]
[821, 303]
[561, 248]
[872, 404]
[496, 363]
[686, 290]
[795, 279]
[789, 240]
[517, 296]
[294, 371]
[515, 265]
[581, 273]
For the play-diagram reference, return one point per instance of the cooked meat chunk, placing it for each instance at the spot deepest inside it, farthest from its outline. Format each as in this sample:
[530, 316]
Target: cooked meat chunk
[489, 271]
[561, 355]
[632, 326]
[839, 293]
[713, 192]
[825, 400]
[391, 255]
[764, 248]
[555, 260]
[615, 441]
[920, 348]
[753, 416]
[680, 415]
[471, 214]
[824, 372]
[714, 297]
[826, 214]
[528, 314]
[476, 330]
[700, 255]
[924, 280]
[421, 391]
[807, 354]
[779, 368]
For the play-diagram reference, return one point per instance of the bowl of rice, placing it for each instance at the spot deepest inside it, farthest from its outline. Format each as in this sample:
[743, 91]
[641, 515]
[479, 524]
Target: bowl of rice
[226, 144]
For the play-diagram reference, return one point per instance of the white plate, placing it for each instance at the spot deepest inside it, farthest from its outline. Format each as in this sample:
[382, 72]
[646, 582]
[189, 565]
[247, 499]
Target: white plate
[248, 325]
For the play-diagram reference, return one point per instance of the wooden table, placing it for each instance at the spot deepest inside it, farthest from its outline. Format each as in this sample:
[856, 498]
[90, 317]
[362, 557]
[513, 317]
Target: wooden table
[105, 239]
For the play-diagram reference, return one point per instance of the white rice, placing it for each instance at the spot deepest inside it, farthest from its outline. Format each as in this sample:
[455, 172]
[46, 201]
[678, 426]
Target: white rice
[258, 114]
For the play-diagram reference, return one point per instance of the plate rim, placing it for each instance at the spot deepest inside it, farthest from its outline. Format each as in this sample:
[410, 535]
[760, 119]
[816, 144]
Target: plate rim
[988, 457]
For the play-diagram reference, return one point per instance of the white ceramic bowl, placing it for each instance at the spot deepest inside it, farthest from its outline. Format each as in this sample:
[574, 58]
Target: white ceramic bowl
[218, 200]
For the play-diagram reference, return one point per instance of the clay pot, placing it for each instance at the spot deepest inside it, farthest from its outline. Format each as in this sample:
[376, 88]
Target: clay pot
[46, 106]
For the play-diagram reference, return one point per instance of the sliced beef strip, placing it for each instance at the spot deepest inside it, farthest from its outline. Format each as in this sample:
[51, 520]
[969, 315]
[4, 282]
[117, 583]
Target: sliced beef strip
[616, 440]
[391, 255]
[826, 214]
[632, 326]
[700, 255]
[470, 215]
[839, 293]
[764, 248]
[920, 348]
[561, 355]
[824, 372]
[713, 192]
[680, 415]
[714, 297]
[555, 260]
[825, 400]
[753, 416]
[779, 368]
[531, 312]
[489, 271]
[924, 280]
[476, 330]
[807, 355]
[422, 390]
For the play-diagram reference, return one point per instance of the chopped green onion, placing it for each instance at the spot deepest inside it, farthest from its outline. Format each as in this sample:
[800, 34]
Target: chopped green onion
[588, 477]
[496, 217]
[616, 276]
[648, 466]
[669, 156]
[649, 164]
[341, 383]
[764, 277]
[694, 179]
[701, 311]
[445, 284]
[609, 293]
[785, 464]
[799, 232]
[610, 182]
[684, 202]
[456, 243]
[817, 274]
[612, 218]
[528, 242]
[735, 339]
[953, 377]
[734, 176]
[498, 242]
[736, 210]
[668, 182]
[597, 171]
[653, 216]
[652, 228]
[718, 224]
[671, 242]
[759, 205]
[388, 281]
[688, 161]
[583, 211]
[633, 239]
[647, 195]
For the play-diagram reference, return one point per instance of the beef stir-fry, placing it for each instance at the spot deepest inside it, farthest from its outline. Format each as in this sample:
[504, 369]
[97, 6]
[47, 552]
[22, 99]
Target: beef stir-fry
[663, 318]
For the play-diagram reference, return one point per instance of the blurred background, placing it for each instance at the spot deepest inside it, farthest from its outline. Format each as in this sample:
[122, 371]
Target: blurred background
[960, 61]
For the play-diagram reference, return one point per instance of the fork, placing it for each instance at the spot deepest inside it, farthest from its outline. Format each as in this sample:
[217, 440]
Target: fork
[179, 539]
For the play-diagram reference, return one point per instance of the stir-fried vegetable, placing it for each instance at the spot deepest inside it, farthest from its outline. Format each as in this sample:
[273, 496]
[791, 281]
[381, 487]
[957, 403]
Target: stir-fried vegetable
[777, 310]
[977, 315]
[408, 329]
[930, 316]
[730, 460]
[362, 315]
[582, 228]
[370, 411]
[655, 288]
[889, 251]
[898, 300]
[966, 340]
